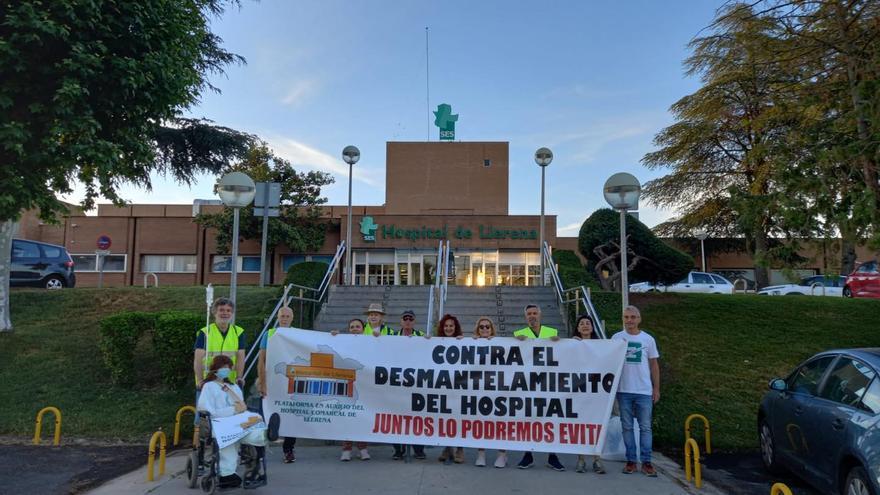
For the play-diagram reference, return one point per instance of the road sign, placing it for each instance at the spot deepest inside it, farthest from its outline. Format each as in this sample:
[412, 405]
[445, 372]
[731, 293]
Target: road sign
[102, 252]
[270, 198]
[104, 242]
[273, 212]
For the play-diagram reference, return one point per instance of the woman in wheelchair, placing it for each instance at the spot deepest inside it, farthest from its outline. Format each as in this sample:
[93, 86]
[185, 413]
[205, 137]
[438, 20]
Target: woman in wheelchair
[222, 398]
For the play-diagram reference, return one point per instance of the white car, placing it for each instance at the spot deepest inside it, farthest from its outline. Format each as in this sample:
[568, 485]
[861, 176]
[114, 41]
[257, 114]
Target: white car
[833, 286]
[696, 282]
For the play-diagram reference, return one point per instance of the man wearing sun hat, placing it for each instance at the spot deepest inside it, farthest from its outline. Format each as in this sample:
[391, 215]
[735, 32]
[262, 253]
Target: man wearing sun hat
[376, 321]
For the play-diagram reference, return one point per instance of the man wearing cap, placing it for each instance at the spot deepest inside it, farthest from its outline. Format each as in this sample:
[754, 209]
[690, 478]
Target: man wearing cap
[407, 324]
[537, 331]
[376, 321]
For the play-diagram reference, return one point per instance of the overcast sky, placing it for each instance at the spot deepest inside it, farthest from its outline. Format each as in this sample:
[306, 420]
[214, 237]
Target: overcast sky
[591, 80]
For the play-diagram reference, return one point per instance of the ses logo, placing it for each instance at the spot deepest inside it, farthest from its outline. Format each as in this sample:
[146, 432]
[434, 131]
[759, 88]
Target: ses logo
[368, 229]
[445, 121]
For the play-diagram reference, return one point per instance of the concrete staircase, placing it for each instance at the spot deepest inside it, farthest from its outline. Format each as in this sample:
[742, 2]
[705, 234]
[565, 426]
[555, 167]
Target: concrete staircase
[503, 304]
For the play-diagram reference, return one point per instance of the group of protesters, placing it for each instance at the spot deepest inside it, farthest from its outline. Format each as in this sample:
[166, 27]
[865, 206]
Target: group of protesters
[219, 369]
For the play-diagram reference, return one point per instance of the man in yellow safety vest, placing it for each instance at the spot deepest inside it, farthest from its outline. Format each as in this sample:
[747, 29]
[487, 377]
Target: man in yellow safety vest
[285, 320]
[220, 337]
[537, 331]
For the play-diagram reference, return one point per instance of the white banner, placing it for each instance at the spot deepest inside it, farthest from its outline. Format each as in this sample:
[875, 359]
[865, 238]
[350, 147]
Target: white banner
[231, 429]
[497, 394]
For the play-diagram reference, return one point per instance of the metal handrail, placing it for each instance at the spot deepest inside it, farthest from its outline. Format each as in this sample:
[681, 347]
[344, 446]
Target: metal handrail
[554, 274]
[435, 287]
[444, 289]
[581, 293]
[591, 310]
[281, 302]
[334, 265]
[430, 310]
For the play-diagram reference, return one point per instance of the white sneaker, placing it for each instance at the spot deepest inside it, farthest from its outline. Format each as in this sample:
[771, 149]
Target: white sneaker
[346, 456]
[365, 456]
[481, 459]
[501, 460]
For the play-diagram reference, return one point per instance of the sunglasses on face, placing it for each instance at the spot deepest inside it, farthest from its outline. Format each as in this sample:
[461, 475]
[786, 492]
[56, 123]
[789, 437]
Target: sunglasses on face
[408, 318]
[487, 327]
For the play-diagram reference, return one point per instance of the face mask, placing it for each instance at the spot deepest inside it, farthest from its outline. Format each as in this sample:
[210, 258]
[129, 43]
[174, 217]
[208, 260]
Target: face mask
[223, 373]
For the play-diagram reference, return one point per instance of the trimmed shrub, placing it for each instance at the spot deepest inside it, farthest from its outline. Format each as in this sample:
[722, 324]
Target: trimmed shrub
[662, 263]
[120, 334]
[307, 274]
[571, 272]
[173, 340]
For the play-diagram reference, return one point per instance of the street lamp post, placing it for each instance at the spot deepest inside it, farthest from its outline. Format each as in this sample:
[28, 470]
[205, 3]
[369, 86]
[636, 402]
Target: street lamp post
[236, 191]
[702, 235]
[351, 155]
[622, 192]
[543, 157]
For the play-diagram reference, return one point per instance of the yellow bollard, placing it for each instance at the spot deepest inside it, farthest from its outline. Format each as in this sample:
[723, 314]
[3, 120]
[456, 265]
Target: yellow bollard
[698, 479]
[39, 426]
[780, 489]
[177, 424]
[687, 430]
[160, 436]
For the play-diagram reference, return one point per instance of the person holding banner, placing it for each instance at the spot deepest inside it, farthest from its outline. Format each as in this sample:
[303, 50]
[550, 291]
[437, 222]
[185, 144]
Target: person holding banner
[223, 398]
[485, 329]
[449, 326]
[376, 321]
[407, 329]
[355, 327]
[220, 338]
[537, 331]
[285, 319]
[639, 390]
[583, 330]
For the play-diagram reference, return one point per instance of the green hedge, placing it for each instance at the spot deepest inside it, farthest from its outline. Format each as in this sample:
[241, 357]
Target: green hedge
[307, 274]
[173, 341]
[119, 338]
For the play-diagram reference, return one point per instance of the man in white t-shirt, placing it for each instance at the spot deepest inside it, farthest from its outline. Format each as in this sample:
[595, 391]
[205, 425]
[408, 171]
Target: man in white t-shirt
[639, 390]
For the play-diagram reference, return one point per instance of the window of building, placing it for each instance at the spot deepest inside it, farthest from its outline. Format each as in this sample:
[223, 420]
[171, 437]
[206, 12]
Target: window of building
[168, 263]
[89, 262]
[246, 264]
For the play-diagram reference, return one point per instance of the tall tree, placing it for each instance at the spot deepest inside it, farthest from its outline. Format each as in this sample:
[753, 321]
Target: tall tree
[95, 93]
[298, 227]
[841, 40]
[722, 151]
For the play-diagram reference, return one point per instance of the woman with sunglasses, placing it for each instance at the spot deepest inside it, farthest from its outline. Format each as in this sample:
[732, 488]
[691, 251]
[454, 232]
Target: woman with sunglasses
[584, 330]
[485, 329]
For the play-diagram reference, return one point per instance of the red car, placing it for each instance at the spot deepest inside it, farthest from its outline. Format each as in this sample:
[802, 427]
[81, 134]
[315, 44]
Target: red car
[864, 281]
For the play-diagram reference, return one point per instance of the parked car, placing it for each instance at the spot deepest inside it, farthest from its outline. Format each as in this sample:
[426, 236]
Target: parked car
[38, 264]
[831, 286]
[699, 282]
[822, 422]
[864, 281]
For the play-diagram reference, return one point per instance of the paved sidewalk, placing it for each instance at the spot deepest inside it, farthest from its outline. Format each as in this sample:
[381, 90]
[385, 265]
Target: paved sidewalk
[318, 469]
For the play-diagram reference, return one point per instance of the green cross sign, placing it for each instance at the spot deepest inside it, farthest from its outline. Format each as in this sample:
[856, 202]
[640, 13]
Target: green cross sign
[445, 120]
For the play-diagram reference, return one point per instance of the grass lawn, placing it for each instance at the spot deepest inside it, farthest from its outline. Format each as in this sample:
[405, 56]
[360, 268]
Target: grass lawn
[53, 359]
[717, 354]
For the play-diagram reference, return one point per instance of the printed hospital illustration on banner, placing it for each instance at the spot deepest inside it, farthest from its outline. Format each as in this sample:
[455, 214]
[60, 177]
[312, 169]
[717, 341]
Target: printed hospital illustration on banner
[499, 394]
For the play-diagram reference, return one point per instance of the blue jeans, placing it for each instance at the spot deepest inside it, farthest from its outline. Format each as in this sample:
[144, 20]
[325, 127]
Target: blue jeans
[638, 407]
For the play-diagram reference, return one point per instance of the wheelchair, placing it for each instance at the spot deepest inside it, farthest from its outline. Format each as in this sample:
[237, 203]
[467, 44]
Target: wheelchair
[203, 464]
